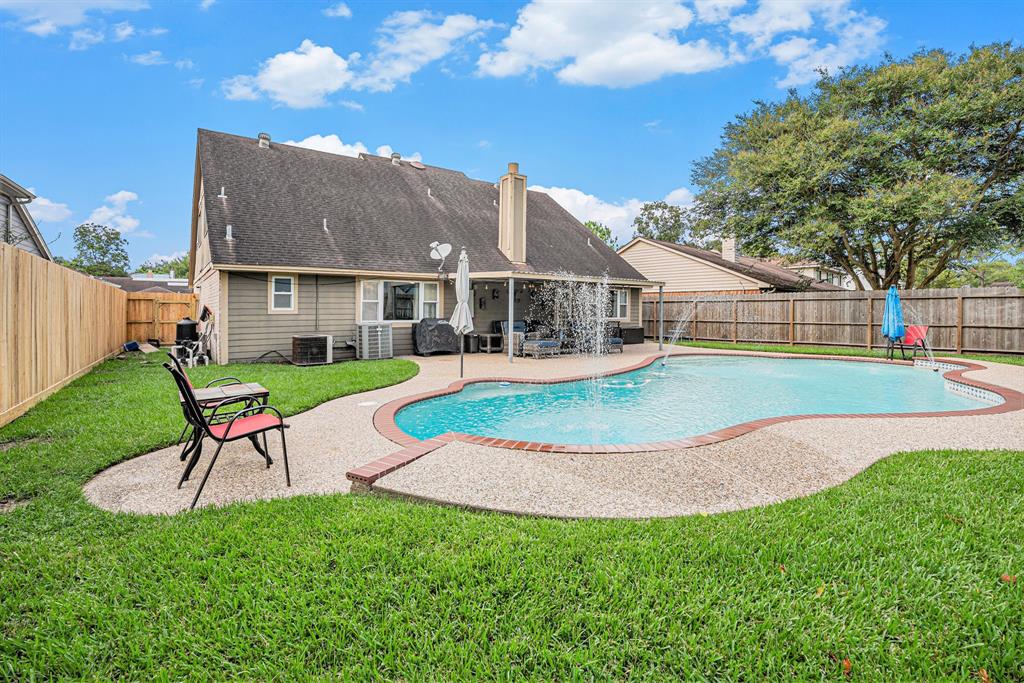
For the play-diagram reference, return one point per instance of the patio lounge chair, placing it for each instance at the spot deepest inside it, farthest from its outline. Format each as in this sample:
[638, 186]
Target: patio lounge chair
[253, 421]
[613, 340]
[914, 338]
[540, 343]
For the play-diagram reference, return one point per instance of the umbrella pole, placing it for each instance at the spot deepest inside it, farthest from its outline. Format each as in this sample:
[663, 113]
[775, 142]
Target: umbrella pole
[462, 355]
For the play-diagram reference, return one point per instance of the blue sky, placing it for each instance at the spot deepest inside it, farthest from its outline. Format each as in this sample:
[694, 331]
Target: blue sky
[604, 105]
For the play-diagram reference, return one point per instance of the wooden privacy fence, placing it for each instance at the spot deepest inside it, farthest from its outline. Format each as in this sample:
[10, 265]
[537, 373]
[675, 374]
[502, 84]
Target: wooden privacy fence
[55, 324]
[981, 319]
[152, 315]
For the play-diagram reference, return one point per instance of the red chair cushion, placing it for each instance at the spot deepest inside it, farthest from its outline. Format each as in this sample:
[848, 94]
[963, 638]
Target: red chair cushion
[250, 424]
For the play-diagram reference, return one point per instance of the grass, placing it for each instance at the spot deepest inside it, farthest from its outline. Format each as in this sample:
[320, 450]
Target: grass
[897, 571]
[1010, 359]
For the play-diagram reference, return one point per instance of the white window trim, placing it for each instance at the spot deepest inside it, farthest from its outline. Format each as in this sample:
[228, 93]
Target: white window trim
[380, 299]
[270, 293]
[615, 304]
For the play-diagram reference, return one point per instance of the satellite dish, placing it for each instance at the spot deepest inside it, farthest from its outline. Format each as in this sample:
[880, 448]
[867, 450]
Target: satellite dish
[439, 252]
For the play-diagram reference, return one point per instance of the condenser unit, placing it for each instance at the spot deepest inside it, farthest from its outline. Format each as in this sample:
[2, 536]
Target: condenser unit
[373, 341]
[312, 349]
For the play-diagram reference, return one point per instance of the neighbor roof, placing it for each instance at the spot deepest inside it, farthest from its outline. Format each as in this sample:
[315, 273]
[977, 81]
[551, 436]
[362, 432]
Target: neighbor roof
[20, 197]
[129, 284]
[766, 272]
[380, 217]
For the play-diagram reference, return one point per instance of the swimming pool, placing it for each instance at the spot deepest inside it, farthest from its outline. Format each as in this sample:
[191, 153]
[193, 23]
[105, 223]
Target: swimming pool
[684, 397]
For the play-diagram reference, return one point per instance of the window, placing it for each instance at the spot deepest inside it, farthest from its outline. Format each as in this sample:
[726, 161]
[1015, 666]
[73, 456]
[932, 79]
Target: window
[429, 300]
[618, 304]
[282, 294]
[395, 301]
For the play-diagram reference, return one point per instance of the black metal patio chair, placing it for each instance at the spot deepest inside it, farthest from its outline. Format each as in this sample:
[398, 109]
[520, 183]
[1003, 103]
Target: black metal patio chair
[228, 381]
[250, 422]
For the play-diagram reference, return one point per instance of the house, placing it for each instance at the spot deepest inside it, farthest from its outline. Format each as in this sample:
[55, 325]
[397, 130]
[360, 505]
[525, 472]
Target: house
[287, 240]
[18, 228]
[819, 272]
[150, 282]
[687, 270]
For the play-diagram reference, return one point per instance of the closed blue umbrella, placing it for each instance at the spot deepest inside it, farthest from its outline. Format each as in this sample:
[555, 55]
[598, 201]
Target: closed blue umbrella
[892, 318]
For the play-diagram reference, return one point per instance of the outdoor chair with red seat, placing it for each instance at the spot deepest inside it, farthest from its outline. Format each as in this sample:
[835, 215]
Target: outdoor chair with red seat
[913, 338]
[252, 421]
[227, 381]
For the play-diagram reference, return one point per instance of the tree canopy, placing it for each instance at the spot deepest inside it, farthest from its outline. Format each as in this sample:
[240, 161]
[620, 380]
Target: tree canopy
[660, 221]
[895, 172]
[603, 233]
[99, 250]
[178, 266]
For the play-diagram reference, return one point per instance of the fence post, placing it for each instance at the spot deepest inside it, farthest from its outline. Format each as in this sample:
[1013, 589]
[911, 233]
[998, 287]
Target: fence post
[960, 324]
[792, 317]
[693, 322]
[734, 321]
[871, 319]
[156, 318]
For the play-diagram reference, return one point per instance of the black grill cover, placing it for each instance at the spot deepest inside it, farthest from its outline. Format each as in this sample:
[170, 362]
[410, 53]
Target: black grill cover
[433, 335]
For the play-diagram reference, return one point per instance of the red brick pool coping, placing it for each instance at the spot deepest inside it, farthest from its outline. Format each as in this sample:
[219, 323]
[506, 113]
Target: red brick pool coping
[413, 448]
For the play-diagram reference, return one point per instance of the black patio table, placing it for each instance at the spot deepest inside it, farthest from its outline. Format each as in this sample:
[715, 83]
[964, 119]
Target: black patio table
[210, 396]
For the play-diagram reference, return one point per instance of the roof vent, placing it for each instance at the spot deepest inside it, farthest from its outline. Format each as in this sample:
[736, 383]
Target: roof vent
[222, 195]
[395, 157]
[264, 139]
[227, 232]
[418, 165]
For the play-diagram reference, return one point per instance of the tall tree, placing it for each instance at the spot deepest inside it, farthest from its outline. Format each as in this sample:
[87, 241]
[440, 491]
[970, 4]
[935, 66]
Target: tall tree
[660, 221]
[893, 172]
[99, 250]
[603, 233]
[178, 266]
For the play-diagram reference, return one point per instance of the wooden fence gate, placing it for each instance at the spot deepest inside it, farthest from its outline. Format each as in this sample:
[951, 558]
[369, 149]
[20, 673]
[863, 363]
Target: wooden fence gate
[152, 315]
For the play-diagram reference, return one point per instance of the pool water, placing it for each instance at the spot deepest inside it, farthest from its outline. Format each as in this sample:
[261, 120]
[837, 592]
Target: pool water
[685, 397]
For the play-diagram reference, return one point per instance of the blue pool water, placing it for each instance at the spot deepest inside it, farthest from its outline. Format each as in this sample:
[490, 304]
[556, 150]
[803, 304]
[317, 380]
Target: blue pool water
[685, 397]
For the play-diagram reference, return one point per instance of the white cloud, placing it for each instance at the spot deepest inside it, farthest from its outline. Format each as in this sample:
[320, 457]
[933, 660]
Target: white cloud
[184, 64]
[196, 82]
[410, 40]
[340, 10]
[616, 215]
[114, 213]
[48, 18]
[84, 38]
[300, 79]
[151, 58]
[859, 37]
[483, 144]
[714, 11]
[162, 258]
[612, 44]
[44, 210]
[334, 145]
[352, 104]
[123, 31]
[624, 44]
[206, 4]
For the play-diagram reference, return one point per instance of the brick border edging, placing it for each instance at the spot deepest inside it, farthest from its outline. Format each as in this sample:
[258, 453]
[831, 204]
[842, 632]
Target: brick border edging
[413, 448]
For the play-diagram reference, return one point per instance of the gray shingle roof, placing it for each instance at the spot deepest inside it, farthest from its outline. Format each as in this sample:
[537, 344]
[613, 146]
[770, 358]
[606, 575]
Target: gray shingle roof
[766, 272]
[379, 216]
[132, 285]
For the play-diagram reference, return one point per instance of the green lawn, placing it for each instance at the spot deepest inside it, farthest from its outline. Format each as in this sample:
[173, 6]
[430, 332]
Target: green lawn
[1011, 359]
[897, 571]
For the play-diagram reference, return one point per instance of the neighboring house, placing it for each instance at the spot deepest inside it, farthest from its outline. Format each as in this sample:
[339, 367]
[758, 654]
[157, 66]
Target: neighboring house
[819, 272]
[143, 282]
[687, 270]
[17, 226]
[287, 240]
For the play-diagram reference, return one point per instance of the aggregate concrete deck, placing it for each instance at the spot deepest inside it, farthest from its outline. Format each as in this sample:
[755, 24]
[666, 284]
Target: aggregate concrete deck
[774, 463]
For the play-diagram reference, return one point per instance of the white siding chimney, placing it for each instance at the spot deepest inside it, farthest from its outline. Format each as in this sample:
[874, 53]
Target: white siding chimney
[512, 214]
[729, 251]
[264, 139]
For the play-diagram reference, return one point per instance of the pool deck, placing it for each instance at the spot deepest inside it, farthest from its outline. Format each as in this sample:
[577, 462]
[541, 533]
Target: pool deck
[774, 462]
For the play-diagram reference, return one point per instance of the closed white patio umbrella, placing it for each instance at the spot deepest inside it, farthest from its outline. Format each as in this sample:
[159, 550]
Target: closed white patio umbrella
[462, 316]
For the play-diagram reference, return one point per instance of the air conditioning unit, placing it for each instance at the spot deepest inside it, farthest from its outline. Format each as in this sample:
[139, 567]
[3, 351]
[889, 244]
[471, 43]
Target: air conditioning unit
[312, 349]
[373, 341]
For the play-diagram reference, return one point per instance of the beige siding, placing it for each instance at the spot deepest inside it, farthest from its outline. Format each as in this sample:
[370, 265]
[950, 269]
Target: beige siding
[682, 273]
[13, 229]
[253, 331]
[207, 291]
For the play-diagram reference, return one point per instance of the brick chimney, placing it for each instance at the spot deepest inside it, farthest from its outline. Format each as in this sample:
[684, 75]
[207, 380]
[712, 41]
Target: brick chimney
[512, 214]
[729, 251]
